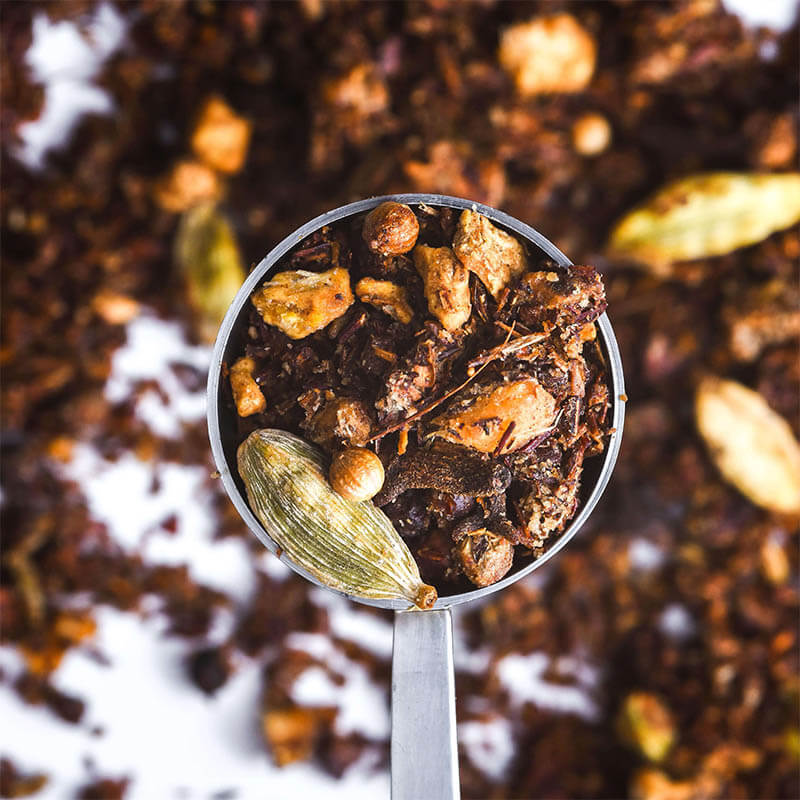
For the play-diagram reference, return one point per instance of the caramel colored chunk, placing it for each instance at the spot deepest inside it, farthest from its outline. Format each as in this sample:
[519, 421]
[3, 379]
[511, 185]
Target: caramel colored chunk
[362, 91]
[221, 137]
[778, 147]
[247, 393]
[493, 255]
[446, 285]
[115, 308]
[337, 421]
[386, 296]
[189, 184]
[485, 557]
[548, 54]
[292, 733]
[299, 302]
[481, 421]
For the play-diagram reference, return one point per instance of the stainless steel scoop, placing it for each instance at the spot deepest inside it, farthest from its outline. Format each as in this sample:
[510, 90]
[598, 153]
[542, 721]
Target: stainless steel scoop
[424, 756]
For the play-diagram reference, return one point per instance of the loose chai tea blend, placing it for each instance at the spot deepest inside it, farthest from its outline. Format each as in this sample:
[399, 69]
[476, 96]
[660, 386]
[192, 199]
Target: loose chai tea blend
[448, 376]
[673, 618]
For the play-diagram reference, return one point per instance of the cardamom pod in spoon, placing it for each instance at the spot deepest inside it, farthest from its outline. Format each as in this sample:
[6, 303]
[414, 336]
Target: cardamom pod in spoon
[349, 546]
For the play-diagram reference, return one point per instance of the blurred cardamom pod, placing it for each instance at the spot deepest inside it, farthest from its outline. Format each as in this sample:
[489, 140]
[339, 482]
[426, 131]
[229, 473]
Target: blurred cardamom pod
[350, 546]
[647, 724]
[706, 215]
[210, 265]
[752, 445]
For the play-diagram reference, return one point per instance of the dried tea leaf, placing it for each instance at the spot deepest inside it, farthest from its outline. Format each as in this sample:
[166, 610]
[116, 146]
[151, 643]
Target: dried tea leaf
[707, 215]
[752, 445]
[210, 264]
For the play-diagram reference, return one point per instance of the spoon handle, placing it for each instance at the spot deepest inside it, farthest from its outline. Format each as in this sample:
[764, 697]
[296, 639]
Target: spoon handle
[424, 749]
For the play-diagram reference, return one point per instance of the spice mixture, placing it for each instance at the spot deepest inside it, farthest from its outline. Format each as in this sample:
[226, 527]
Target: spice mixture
[672, 618]
[468, 364]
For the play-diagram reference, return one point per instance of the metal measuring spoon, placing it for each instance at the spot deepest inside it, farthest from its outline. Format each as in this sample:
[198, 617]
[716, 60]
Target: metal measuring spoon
[424, 753]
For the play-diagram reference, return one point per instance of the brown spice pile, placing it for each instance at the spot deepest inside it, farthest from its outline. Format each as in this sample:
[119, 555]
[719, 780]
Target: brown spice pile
[391, 97]
[473, 370]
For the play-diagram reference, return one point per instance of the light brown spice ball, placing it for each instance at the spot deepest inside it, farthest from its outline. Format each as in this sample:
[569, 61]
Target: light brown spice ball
[591, 134]
[356, 474]
[390, 229]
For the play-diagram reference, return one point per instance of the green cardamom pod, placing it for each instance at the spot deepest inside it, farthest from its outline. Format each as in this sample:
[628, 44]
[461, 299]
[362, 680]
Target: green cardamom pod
[707, 215]
[349, 546]
[210, 264]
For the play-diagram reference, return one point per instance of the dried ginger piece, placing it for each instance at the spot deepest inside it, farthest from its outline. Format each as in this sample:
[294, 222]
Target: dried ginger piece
[752, 445]
[548, 54]
[481, 421]
[299, 302]
[779, 144]
[492, 254]
[546, 510]
[292, 733]
[188, 184]
[353, 108]
[221, 137]
[115, 308]
[485, 557]
[716, 771]
[446, 285]
[361, 91]
[387, 297]
[332, 420]
[247, 394]
[653, 784]
[455, 168]
[764, 316]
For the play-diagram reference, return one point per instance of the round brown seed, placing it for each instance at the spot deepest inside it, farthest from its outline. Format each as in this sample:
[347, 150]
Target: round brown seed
[591, 134]
[390, 229]
[356, 474]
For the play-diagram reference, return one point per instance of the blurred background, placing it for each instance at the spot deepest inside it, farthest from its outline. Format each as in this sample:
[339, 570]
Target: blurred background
[153, 151]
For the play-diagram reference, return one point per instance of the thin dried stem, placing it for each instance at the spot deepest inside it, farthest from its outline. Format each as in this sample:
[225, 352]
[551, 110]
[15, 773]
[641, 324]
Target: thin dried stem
[504, 438]
[507, 348]
[408, 420]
